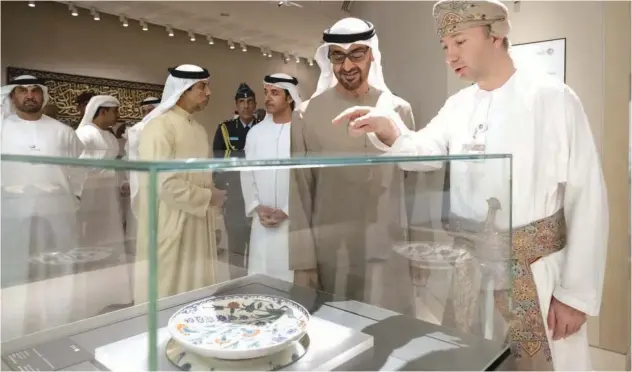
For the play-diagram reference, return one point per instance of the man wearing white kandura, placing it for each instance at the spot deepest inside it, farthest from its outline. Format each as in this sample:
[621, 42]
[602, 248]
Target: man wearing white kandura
[560, 212]
[266, 192]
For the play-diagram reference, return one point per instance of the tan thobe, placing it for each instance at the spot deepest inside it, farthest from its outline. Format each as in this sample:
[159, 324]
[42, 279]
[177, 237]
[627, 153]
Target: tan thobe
[358, 210]
[187, 252]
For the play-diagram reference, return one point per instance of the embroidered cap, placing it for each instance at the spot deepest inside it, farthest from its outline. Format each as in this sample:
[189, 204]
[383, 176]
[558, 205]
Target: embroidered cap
[452, 16]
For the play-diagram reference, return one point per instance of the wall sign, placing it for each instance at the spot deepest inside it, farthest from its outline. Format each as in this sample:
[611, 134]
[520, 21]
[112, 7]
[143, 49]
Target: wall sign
[547, 56]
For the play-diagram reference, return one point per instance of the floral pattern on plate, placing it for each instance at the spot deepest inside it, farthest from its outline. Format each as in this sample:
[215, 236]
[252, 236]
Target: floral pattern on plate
[188, 361]
[239, 326]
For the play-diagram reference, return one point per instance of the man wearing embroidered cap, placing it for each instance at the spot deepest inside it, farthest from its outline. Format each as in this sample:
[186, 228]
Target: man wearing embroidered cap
[558, 182]
[266, 192]
[187, 202]
[229, 141]
[39, 202]
[100, 213]
[355, 208]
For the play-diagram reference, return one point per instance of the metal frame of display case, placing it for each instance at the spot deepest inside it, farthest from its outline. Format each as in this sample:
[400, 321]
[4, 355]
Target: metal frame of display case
[153, 169]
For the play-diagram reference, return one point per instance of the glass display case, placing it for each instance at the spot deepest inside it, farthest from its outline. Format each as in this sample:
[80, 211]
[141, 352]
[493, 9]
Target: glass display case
[346, 262]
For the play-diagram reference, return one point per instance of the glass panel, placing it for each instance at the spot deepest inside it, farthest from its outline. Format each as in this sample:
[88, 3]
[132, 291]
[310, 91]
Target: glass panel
[396, 234]
[66, 255]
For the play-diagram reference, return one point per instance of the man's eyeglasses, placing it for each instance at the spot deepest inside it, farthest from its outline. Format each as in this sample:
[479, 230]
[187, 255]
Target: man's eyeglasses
[356, 55]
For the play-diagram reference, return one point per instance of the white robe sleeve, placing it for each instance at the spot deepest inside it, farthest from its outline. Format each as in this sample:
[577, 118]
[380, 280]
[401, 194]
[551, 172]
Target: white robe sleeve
[432, 140]
[578, 168]
[248, 185]
[76, 175]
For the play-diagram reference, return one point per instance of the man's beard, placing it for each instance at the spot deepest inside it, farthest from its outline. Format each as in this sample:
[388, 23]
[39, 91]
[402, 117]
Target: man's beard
[350, 85]
[31, 108]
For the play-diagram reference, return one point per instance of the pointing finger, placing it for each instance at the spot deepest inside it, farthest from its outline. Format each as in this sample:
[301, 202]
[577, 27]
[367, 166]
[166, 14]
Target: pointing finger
[361, 123]
[350, 114]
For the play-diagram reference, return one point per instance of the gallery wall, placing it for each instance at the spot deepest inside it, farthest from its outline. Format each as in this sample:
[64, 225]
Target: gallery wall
[597, 68]
[48, 38]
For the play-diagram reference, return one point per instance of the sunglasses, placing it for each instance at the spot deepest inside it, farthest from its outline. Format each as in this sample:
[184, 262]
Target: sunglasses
[356, 55]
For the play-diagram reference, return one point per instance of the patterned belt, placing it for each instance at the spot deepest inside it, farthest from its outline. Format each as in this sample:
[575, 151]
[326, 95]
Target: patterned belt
[520, 304]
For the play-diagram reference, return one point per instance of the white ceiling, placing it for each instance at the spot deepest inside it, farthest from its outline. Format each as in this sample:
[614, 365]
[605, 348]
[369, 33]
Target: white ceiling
[287, 29]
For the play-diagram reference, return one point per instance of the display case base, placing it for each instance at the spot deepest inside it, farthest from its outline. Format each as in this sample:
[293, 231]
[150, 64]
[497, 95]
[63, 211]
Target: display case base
[188, 361]
[330, 346]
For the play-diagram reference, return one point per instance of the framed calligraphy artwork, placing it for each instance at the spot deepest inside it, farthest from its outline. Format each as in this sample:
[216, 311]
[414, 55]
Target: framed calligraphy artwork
[548, 56]
[64, 89]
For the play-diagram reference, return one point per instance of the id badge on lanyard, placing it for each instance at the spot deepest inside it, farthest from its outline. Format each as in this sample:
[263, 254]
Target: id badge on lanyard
[478, 143]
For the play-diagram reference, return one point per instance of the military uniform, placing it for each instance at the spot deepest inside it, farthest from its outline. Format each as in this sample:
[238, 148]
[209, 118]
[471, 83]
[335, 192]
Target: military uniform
[229, 142]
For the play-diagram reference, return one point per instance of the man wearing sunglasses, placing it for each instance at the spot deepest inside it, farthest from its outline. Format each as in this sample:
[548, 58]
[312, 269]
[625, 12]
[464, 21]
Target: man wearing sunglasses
[559, 209]
[356, 209]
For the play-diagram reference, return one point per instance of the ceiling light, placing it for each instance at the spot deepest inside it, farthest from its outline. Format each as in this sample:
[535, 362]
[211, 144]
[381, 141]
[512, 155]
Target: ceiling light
[191, 36]
[516, 6]
[231, 45]
[169, 30]
[310, 62]
[210, 40]
[73, 9]
[95, 14]
[143, 24]
[32, 4]
[269, 54]
[123, 21]
[298, 59]
[243, 47]
[263, 51]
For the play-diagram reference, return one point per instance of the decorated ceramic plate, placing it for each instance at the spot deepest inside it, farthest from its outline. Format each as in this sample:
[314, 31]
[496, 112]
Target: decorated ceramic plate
[239, 326]
[188, 361]
[52, 258]
[74, 256]
[85, 255]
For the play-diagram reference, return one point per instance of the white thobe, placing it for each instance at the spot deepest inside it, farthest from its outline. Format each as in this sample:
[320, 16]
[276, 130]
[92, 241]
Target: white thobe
[541, 122]
[39, 215]
[269, 247]
[101, 221]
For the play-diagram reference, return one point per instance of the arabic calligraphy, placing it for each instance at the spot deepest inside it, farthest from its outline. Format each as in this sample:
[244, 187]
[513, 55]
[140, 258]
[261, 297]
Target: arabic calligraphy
[64, 88]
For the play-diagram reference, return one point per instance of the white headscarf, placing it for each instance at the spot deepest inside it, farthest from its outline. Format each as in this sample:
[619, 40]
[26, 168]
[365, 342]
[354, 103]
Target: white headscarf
[287, 82]
[20, 81]
[179, 80]
[94, 104]
[176, 84]
[344, 33]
